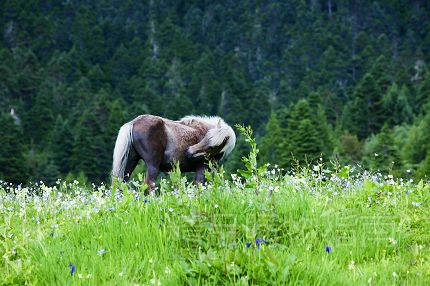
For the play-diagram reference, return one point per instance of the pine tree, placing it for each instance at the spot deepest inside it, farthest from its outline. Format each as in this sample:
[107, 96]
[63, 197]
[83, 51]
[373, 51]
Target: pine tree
[362, 115]
[270, 147]
[302, 138]
[319, 120]
[396, 108]
[350, 149]
[42, 166]
[88, 146]
[422, 96]
[12, 163]
[424, 167]
[204, 86]
[41, 117]
[61, 144]
[381, 153]
[418, 141]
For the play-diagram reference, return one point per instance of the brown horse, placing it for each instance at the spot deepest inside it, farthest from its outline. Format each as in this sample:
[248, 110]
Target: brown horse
[192, 142]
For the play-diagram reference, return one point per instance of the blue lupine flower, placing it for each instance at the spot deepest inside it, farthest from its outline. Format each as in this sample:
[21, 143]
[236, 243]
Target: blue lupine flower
[248, 244]
[72, 268]
[327, 248]
[258, 241]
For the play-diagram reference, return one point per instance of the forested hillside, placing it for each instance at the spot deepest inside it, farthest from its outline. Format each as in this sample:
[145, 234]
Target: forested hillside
[344, 80]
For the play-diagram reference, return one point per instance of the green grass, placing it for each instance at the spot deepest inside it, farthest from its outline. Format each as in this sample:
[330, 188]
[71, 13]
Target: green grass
[377, 227]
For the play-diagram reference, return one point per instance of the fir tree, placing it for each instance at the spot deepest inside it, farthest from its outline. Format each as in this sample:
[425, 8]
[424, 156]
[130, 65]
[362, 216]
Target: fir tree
[302, 138]
[396, 108]
[270, 147]
[381, 153]
[12, 164]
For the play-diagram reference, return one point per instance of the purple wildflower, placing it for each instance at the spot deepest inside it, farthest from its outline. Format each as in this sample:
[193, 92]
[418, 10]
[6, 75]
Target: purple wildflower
[258, 241]
[146, 201]
[72, 268]
[248, 244]
[327, 249]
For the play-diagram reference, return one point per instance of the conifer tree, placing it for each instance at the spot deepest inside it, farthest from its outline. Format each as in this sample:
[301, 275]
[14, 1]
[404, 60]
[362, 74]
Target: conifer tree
[270, 147]
[424, 167]
[61, 144]
[303, 140]
[418, 141]
[88, 146]
[380, 152]
[12, 163]
[350, 149]
[396, 108]
[362, 115]
[41, 116]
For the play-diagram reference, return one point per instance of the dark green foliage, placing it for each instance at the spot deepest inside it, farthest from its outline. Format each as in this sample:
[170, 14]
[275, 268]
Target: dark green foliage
[381, 153]
[417, 142]
[42, 166]
[61, 144]
[13, 167]
[350, 149]
[303, 139]
[424, 167]
[76, 71]
[362, 115]
[271, 144]
[396, 107]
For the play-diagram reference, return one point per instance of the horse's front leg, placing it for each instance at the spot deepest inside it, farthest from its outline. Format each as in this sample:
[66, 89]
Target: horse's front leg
[200, 174]
[151, 176]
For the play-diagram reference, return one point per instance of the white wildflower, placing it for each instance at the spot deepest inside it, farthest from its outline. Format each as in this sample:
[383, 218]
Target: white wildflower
[392, 240]
[101, 251]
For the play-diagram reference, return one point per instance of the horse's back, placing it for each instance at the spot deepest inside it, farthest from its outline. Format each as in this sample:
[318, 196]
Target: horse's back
[146, 127]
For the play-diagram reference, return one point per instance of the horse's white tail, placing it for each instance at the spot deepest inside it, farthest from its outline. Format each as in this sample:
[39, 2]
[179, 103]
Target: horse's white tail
[122, 148]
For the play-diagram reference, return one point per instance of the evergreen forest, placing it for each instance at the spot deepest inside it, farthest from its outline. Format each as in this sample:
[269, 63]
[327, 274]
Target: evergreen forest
[346, 81]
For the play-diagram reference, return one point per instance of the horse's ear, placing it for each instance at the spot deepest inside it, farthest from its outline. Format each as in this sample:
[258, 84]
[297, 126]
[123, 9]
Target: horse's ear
[219, 124]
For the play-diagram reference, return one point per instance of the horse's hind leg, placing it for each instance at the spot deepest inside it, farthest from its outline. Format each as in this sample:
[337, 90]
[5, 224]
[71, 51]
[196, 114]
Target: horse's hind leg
[151, 176]
[133, 159]
[149, 141]
[152, 160]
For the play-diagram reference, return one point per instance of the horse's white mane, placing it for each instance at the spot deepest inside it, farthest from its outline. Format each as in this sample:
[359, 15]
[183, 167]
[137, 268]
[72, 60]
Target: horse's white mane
[216, 135]
[211, 120]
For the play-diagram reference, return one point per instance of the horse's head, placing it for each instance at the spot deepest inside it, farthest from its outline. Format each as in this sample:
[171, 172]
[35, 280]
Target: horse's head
[218, 142]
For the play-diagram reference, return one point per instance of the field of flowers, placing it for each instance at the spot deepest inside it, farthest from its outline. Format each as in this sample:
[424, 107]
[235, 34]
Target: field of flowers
[315, 226]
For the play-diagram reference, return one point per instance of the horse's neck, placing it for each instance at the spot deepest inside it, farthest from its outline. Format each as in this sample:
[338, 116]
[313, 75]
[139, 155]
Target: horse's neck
[197, 126]
[186, 132]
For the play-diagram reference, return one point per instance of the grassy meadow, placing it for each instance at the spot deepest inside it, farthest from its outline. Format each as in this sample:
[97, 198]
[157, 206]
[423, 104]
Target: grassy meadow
[318, 225]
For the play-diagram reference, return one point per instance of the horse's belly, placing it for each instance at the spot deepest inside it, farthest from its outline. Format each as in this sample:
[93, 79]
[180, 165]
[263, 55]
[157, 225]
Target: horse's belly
[184, 166]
